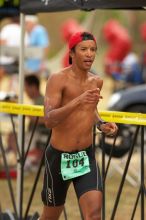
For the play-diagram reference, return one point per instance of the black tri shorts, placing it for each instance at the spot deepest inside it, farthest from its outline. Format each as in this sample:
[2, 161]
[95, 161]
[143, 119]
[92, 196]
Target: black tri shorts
[55, 188]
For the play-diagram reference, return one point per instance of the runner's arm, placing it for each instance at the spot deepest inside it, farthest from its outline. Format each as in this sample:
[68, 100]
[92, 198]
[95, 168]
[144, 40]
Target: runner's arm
[53, 111]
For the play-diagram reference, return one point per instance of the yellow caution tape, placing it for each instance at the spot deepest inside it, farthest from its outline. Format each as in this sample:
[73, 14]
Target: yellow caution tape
[109, 116]
[21, 109]
[124, 117]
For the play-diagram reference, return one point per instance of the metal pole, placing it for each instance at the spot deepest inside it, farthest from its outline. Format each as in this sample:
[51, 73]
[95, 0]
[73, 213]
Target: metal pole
[37, 177]
[20, 117]
[103, 176]
[124, 174]
[142, 173]
[8, 176]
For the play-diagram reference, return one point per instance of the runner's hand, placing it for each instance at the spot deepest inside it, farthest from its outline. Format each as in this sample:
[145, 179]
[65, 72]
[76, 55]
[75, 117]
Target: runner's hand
[109, 128]
[90, 96]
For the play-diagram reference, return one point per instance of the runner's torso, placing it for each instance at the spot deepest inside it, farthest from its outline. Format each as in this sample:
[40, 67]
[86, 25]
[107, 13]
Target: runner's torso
[75, 132]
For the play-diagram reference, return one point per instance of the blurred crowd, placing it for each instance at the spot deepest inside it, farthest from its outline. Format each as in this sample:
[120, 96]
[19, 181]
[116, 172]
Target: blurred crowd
[36, 37]
[121, 62]
[36, 40]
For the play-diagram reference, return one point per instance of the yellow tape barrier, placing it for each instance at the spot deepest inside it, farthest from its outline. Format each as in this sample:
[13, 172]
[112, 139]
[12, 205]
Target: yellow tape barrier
[124, 117]
[21, 109]
[110, 116]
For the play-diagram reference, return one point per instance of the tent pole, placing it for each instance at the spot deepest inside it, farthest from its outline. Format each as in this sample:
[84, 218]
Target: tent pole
[20, 117]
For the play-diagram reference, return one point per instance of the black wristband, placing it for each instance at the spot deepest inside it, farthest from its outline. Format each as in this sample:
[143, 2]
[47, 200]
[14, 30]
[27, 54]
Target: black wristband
[100, 122]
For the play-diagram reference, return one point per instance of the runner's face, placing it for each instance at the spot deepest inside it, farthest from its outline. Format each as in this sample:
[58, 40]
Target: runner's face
[84, 54]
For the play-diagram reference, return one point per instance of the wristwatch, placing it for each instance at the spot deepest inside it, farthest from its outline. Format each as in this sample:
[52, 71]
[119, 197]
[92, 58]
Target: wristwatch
[99, 123]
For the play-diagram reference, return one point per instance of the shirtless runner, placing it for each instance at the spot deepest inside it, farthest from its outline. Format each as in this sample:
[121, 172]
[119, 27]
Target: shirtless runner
[71, 112]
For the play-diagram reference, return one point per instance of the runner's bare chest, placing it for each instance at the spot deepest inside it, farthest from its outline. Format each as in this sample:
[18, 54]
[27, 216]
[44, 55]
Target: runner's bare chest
[74, 88]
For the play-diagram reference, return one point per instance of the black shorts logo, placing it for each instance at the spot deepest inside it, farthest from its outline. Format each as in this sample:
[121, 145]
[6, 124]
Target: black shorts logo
[50, 195]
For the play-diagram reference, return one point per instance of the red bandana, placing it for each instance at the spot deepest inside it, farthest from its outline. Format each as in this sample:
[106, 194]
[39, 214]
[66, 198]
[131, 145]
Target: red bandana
[76, 39]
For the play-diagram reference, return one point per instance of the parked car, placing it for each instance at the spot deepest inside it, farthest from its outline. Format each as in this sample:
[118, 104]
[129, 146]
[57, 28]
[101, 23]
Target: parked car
[129, 100]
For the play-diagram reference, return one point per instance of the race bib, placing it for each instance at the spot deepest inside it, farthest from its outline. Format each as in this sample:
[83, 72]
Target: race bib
[74, 164]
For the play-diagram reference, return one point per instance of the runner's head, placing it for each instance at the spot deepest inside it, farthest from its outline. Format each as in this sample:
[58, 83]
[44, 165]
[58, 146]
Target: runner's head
[77, 38]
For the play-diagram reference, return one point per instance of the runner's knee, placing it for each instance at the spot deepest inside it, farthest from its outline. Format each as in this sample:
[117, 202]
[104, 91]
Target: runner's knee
[93, 214]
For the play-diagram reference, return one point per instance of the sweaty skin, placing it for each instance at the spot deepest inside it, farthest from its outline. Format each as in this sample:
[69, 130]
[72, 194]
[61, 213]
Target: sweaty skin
[78, 101]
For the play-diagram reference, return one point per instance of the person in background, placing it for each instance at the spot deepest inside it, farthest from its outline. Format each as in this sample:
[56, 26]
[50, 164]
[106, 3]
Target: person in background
[10, 37]
[143, 57]
[70, 108]
[9, 63]
[32, 89]
[39, 140]
[119, 46]
[121, 62]
[38, 37]
[131, 70]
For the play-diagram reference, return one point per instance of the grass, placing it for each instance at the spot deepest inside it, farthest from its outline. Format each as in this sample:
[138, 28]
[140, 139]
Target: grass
[124, 210]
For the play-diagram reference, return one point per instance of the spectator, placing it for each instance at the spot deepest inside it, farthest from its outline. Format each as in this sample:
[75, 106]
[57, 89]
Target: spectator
[38, 37]
[10, 36]
[143, 58]
[119, 43]
[121, 63]
[131, 70]
[32, 88]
